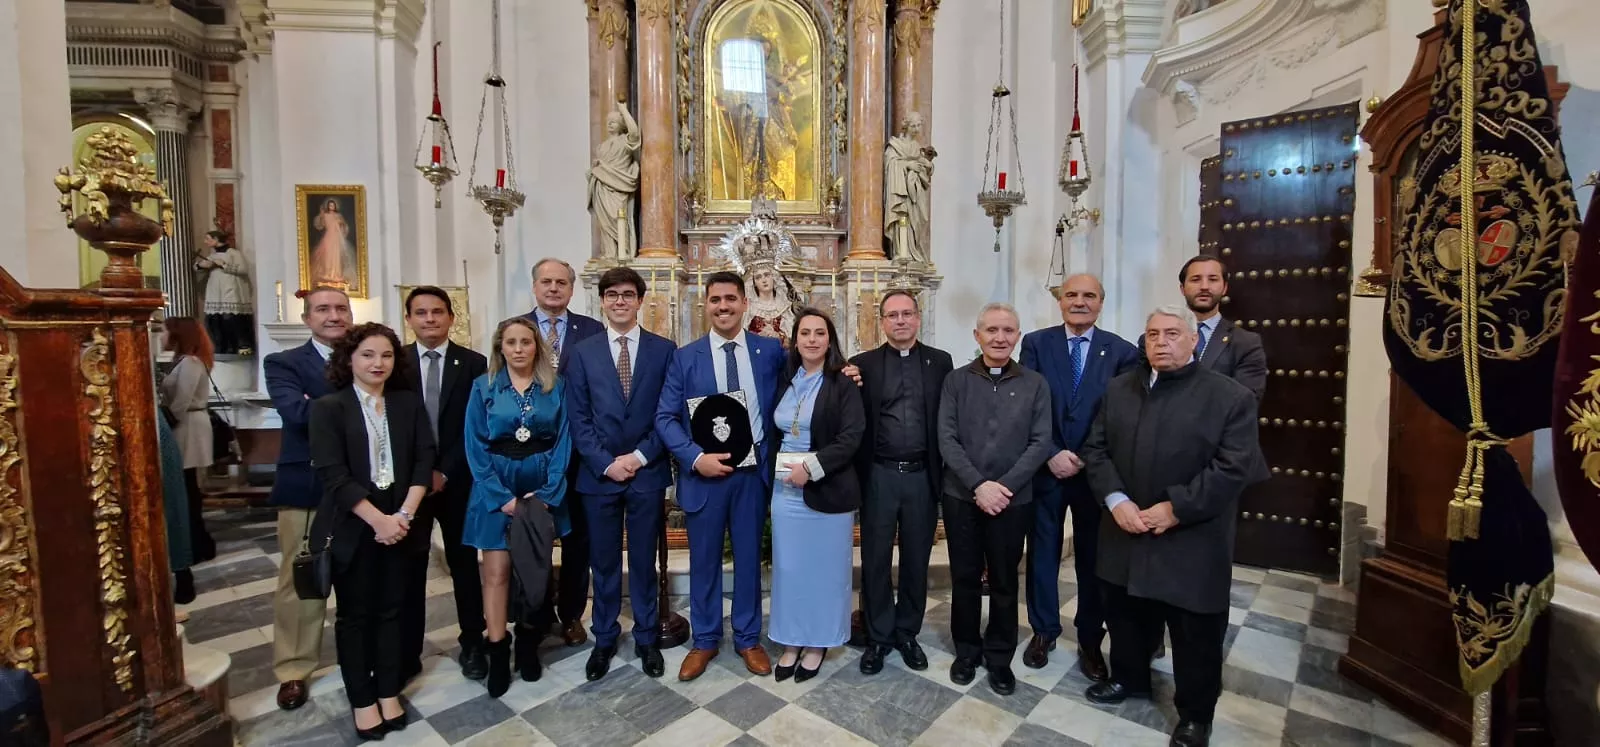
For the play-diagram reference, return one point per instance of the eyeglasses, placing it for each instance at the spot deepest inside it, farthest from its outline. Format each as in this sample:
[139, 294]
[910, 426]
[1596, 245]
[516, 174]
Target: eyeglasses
[613, 296]
[895, 316]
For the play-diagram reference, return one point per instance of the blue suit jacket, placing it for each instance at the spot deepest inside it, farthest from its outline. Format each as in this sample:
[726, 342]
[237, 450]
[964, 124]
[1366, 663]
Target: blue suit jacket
[691, 374]
[579, 328]
[295, 377]
[604, 425]
[1047, 352]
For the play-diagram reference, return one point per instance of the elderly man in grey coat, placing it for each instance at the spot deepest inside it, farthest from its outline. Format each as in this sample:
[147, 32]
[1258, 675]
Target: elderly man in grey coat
[994, 434]
[1171, 450]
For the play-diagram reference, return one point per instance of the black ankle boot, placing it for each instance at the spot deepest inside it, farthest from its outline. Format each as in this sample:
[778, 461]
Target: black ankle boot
[499, 679]
[183, 586]
[528, 665]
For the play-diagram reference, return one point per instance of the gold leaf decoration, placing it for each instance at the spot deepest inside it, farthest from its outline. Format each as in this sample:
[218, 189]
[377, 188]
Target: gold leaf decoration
[104, 490]
[17, 578]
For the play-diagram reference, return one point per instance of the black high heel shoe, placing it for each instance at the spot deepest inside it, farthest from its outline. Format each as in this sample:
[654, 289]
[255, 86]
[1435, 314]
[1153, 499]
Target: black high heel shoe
[375, 734]
[781, 672]
[802, 674]
[398, 723]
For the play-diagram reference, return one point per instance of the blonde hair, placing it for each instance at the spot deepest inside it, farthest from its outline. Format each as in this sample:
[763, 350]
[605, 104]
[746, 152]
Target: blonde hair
[544, 367]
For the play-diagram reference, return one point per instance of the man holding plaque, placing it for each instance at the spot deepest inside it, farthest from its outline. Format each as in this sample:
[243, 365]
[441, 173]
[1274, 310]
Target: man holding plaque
[716, 406]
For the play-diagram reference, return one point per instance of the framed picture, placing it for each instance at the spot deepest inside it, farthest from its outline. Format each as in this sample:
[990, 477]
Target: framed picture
[460, 332]
[332, 228]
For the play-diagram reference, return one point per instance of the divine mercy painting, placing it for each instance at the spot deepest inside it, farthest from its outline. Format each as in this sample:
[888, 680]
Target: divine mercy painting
[333, 237]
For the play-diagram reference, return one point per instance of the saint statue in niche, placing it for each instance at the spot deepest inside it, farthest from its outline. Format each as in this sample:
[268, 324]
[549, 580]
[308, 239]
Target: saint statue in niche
[333, 258]
[229, 300]
[907, 175]
[614, 182]
[772, 304]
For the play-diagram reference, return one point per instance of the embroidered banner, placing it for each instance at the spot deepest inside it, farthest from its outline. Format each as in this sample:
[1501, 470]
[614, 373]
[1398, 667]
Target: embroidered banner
[1523, 226]
[1576, 434]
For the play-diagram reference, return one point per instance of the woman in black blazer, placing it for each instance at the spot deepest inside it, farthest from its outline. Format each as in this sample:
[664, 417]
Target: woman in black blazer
[373, 450]
[818, 424]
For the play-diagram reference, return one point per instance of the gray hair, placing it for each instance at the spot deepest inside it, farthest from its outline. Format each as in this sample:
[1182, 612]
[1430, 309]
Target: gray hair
[1177, 311]
[996, 306]
[572, 275]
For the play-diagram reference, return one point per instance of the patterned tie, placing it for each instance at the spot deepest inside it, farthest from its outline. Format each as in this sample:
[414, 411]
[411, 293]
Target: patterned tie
[552, 336]
[430, 390]
[733, 365]
[1075, 348]
[1200, 348]
[625, 368]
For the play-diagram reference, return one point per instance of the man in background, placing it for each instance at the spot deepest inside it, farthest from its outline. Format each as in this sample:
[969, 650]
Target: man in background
[1220, 346]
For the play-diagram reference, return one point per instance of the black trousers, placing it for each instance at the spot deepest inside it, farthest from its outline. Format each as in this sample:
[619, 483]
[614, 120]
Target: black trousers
[978, 541]
[1197, 640]
[900, 502]
[371, 589]
[201, 545]
[449, 509]
[572, 581]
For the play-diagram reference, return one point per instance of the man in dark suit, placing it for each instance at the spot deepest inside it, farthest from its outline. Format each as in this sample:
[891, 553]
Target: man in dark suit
[553, 283]
[613, 386]
[899, 468]
[1078, 359]
[444, 373]
[1232, 351]
[1171, 451]
[719, 500]
[295, 377]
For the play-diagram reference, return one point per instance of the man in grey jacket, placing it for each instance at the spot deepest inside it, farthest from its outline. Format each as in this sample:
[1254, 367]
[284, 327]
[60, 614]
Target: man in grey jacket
[994, 434]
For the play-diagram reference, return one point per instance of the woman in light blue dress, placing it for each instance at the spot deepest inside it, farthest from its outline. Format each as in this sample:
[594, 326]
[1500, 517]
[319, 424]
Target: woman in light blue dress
[518, 448]
[819, 424]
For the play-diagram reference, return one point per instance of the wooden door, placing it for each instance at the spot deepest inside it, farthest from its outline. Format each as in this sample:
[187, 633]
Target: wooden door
[1210, 205]
[1287, 200]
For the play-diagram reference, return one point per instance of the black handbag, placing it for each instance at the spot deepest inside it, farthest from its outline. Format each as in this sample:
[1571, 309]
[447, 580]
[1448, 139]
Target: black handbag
[224, 439]
[313, 568]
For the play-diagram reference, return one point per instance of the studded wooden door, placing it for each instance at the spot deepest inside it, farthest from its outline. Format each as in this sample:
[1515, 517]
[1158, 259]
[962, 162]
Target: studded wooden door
[1288, 196]
[1210, 205]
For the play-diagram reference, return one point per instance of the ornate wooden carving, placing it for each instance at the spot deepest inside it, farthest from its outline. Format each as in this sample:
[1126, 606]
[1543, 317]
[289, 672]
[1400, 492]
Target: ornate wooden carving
[20, 642]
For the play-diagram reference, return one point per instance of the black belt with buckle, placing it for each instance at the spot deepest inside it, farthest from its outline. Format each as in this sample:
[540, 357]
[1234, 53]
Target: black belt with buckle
[898, 466]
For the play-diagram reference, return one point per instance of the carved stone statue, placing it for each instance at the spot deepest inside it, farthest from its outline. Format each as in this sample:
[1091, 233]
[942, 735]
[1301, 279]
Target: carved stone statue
[772, 303]
[614, 184]
[907, 174]
[230, 296]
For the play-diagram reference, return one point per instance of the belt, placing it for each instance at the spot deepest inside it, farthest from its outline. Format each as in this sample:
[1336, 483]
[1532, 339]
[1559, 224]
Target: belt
[898, 466]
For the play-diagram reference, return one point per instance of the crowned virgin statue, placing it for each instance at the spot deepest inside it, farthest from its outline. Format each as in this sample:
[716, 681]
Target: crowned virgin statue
[772, 303]
[757, 249]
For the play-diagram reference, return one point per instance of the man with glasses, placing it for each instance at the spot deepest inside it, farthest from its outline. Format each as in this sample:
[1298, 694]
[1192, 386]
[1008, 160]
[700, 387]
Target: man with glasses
[899, 466]
[613, 385]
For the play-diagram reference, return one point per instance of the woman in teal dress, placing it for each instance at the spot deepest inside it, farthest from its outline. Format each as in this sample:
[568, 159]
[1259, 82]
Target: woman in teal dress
[518, 448]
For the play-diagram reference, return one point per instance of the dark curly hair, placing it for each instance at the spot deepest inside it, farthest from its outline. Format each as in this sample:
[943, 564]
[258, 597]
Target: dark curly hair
[339, 371]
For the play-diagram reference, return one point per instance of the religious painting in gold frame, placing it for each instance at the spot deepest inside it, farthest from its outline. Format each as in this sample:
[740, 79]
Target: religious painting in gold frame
[460, 331]
[331, 224]
[762, 101]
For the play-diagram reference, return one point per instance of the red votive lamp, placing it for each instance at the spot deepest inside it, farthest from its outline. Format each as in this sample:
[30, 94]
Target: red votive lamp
[500, 178]
[1002, 181]
[1073, 166]
[437, 155]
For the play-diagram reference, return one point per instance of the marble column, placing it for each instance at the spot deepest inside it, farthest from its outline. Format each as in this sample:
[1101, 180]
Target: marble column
[657, 178]
[924, 66]
[170, 113]
[609, 72]
[907, 59]
[867, 111]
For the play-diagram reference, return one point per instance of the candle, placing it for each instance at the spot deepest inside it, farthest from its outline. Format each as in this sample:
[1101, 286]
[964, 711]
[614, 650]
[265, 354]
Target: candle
[1074, 166]
[1002, 181]
[436, 155]
[1077, 124]
[500, 178]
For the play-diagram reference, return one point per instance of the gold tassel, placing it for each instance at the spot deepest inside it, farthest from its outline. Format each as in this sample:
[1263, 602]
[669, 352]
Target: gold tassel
[1456, 518]
[1473, 514]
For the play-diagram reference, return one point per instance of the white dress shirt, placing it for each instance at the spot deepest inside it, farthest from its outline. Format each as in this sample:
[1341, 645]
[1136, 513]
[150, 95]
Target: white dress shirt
[323, 350]
[633, 355]
[747, 375]
[381, 451]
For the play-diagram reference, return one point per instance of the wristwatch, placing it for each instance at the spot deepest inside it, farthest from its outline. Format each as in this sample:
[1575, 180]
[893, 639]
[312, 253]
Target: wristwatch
[404, 514]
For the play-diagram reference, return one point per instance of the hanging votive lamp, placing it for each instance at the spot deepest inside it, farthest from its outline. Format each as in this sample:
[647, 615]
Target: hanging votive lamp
[439, 167]
[1075, 175]
[501, 199]
[996, 196]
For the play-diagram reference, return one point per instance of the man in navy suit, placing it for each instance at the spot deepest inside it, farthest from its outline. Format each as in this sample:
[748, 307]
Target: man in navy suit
[1077, 359]
[443, 372]
[719, 500]
[553, 281]
[295, 377]
[613, 386]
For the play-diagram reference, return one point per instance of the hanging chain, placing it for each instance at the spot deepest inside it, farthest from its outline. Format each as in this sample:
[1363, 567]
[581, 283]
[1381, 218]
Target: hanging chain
[991, 145]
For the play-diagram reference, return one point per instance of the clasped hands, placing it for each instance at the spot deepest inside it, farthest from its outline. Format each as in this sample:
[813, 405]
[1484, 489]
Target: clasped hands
[1065, 464]
[1156, 519]
[623, 468]
[391, 528]
[992, 497]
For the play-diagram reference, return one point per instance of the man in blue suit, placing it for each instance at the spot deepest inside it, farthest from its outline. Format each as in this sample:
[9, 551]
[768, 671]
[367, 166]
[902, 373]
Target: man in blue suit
[719, 500]
[613, 386]
[295, 377]
[1077, 359]
[553, 282]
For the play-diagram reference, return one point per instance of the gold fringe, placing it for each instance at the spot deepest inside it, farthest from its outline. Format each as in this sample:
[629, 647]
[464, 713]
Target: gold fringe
[1480, 679]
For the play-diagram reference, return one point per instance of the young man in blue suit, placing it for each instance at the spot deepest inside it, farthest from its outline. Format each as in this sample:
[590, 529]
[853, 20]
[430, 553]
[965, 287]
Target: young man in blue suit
[613, 387]
[295, 377]
[1078, 359]
[719, 500]
[553, 283]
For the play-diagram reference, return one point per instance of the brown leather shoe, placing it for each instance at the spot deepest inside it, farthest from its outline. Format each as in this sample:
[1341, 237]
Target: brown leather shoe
[1037, 655]
[695, 663]
[756, 660]
[292, 694]
[573, 633]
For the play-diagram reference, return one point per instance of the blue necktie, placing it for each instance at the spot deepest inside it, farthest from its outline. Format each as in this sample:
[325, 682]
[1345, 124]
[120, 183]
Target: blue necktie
[1075, 349]
[1200, 348]
[733, 365]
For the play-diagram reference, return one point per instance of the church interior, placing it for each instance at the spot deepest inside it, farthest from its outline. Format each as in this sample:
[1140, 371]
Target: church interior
[830, 152]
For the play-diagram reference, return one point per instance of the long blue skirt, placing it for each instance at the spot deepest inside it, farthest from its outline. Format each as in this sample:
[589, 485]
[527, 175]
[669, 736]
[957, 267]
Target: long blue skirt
[811, 558]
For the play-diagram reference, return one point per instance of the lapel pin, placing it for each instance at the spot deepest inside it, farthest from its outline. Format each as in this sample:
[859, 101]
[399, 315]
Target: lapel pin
[456, 362]
[1224, 339]
[1102, 353]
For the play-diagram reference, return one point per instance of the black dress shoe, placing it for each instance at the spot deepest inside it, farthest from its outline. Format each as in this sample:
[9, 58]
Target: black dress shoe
[375, 734]
[1111, 693]
[1001, 680]
[872, 659]
[599, 662]
[911, 653]
[962, 671]
[1093, 664]
[398, 723]
[474, 662]
[527, 655]
[1191, 734]
[801, 674]
[650, 657]
[1037, 654]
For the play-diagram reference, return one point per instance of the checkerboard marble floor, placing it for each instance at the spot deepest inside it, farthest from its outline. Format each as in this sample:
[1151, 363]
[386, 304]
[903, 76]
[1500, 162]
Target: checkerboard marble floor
[1285, 635]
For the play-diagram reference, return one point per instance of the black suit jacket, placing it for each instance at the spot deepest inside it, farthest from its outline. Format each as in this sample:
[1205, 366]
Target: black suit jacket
[461, 367]
[1237, 353]
[874, 365]
[837, 426]
[340, 452]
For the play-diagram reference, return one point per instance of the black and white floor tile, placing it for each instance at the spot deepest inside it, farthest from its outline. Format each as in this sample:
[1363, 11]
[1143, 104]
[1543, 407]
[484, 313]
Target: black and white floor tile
[1281, 682]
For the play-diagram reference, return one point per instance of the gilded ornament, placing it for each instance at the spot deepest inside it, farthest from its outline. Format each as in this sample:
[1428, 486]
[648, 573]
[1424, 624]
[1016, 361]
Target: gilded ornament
[104, 486]
[685, 91]
[1492, 633]
[838, 64]
[654, 10]
[907, 33]
[869, 14]
[613, 27]
[17, 579]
